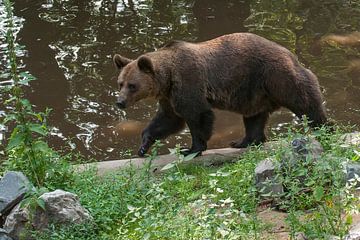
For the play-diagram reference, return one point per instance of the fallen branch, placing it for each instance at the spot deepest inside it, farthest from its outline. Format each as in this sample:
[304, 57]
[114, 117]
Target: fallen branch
[213, 157]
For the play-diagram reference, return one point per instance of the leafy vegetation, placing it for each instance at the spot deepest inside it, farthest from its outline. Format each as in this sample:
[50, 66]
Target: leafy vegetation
[192, 202]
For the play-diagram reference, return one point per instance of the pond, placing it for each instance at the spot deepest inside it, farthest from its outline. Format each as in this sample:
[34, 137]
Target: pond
[68, 47]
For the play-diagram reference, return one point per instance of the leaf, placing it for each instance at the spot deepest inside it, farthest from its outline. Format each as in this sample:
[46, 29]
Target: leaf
[131, 208]
[26, 78]
[16, 139]
[26, 103]
[147, 236]
[41, 203]
[220, 174]
[12, 99]
[9, 117]
[190, 156]
[168, 166]
[348, 220]
[40, 146]
[318, 193]
[357, 153]
[38, 129]
[172, 151]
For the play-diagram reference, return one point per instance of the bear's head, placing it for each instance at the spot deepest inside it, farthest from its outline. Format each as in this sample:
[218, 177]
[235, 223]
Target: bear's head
[136, 80]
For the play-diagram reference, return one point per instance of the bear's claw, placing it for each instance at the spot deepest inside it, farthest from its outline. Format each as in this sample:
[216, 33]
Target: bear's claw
[142, 151]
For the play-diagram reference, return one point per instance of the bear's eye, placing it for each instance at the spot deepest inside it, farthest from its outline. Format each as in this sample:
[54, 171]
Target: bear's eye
[132, 87]
[121, 85]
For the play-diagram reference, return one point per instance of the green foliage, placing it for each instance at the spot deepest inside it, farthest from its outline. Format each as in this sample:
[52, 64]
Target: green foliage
[180, 158]
[317, 198]
[193, 202]
[151, 157]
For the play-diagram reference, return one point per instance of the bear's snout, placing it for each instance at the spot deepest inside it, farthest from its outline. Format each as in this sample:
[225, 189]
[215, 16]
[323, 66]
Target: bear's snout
[121, 104]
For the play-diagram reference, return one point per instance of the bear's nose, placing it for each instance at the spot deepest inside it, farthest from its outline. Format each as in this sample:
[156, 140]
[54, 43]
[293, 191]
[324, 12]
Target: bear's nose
[121, 104]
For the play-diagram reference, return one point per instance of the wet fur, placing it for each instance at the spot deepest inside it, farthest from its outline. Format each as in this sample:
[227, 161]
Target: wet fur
[239, 72]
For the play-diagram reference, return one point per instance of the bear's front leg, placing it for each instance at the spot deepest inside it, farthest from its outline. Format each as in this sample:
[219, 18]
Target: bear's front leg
[164, 123]
[147, 142]
[200, 126]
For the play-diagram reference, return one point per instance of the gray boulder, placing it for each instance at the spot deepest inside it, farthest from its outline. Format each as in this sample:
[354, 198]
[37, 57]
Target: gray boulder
[60, 207]
[13, 187]
[352, 169]
[17, 223]
[64, 207]
[354, 233]
[350, 139]
[267, 179]
[4, 235]
[303, 152]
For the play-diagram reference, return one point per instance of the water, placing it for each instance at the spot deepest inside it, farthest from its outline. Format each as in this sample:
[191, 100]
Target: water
[69, 46]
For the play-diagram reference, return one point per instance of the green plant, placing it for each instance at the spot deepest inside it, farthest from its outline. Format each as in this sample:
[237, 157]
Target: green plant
[215, 203]
[180, 158]
[317, 198]
[151, 157]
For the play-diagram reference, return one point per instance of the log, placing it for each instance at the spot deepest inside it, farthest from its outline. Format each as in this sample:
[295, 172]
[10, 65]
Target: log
[213, 157]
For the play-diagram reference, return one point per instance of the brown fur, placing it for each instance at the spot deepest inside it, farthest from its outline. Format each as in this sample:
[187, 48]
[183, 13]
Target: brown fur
[239, 72]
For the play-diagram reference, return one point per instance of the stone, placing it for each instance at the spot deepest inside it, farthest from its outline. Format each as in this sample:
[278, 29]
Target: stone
[16, 223]
[267, 179]
[352, 169]
[305, 146]
[4, 235]
[60, 207]
[304, 151]
[13, 187]
[349, 139]
[354, 233]
[64, 207]
[300, 236]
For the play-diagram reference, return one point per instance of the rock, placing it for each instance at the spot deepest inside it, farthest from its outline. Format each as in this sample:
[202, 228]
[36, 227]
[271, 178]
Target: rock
[60, 207]
[64, 207]
[350, 139]
[16, 223]
[267, 179]
[352, 169]
[304, 146]
[300, 236]
[4, 235]
[304, 151]
[354, 233]
[13, 187]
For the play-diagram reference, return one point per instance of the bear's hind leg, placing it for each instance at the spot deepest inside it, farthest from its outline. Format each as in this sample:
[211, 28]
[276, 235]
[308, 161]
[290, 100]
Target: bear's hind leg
[300, 93]
[254, 128]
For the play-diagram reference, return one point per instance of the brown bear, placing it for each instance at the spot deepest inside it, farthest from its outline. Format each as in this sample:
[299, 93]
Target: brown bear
[239, 72]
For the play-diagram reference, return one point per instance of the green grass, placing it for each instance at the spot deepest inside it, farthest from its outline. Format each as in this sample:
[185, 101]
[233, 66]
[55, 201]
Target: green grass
[193, 202]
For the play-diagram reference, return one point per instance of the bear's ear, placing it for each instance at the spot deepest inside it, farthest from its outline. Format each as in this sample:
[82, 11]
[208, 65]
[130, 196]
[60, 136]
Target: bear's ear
[145, 64]
[120, 61]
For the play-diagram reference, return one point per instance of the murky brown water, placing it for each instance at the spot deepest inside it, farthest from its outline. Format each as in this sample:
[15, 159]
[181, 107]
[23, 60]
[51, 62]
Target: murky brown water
[69, 44]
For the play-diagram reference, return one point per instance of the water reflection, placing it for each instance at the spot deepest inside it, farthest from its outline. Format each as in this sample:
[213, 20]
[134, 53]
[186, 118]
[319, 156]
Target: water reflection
[216, 18]
[69, 45]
